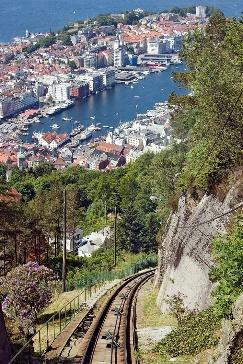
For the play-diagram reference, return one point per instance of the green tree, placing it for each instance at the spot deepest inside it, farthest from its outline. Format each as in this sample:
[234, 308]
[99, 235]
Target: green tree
[66, 39]
[131, 230]
[105, 19]
[227, 250]
[43, 169]
[2, 173]
[210, 119]
[26, 189]
[72, 65]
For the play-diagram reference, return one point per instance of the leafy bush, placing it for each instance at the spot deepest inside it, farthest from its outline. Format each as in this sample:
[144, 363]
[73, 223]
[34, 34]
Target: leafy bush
[196, 332]
[101, 262]
[28, 289]
[228, 252]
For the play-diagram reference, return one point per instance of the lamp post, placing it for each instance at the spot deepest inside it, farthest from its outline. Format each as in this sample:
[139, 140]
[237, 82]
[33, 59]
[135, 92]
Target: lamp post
[105, 212]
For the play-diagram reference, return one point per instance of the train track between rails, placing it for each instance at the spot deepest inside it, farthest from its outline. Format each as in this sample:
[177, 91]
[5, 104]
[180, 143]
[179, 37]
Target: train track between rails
[111, 335]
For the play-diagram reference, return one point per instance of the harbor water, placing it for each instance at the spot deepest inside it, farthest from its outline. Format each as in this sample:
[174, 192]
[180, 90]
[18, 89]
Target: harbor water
[110, 107]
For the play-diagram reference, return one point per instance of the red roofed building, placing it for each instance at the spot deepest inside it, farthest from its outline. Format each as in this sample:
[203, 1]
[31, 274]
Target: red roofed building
[59, 163]
[11, 195]
[110, 148]
[8, 158]
[52, 140]
[30, 113]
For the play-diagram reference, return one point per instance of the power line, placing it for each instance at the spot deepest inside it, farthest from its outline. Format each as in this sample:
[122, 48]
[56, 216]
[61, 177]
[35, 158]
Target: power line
[182, 240]
[212, 219]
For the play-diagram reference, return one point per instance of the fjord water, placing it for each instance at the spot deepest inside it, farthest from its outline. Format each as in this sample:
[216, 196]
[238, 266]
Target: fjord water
[42, 15]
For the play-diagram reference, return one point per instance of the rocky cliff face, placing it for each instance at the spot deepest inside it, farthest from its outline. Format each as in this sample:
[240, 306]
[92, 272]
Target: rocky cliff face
[185, 253]
[231, 332]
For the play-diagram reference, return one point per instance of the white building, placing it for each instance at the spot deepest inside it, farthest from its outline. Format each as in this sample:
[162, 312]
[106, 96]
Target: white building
[136, 140]
[108, 77]
[119, 141]
[21, 160]
[74, 239]
[93, 242]
[109, 138]
[154, 47]
[94, 80]
[119, 57]
[90, 60]
[201, 12]
[60, 92]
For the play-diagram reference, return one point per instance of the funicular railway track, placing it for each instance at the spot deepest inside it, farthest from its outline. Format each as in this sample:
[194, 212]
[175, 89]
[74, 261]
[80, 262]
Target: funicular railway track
[110, 338]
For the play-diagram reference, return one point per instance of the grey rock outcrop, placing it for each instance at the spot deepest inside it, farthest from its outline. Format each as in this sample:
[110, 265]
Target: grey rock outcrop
[185, 252]
[230, 329]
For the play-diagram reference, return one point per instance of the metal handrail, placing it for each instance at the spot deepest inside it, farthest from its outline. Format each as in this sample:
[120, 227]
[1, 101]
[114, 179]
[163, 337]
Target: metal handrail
[46, 325]
[108, 276]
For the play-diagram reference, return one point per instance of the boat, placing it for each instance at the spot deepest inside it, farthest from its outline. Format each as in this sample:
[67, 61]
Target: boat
[66, 119]
[131, 86]
[93, 127]
[85, 135]
[105, 126]
[98, 124]
[136, 96]
[55, 126]
[25, 134]
[60, 107]
[76, 130]
[24, 128]
[37, 121]
[53, 110]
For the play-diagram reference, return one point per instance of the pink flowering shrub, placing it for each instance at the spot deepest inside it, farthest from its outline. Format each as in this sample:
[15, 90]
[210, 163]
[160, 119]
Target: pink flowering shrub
[28, 290]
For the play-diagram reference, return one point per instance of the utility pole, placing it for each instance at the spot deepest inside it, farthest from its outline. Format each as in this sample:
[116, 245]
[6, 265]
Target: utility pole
[115, 252]
[105, 212]
[64, 240]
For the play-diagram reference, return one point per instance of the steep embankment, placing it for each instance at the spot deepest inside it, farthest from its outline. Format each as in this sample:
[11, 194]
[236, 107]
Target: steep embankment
[185, 252]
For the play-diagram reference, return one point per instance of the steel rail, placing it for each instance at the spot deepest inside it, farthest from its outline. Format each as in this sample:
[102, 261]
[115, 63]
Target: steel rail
[122, 325]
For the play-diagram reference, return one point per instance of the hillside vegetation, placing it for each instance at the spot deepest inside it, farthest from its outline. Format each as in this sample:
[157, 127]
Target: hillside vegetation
[208, 135]
[208, 130]
[209, 124]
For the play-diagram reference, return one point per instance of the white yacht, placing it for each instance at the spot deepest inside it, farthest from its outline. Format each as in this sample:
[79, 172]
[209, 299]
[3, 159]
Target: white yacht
[55, 126]
[85, 135]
